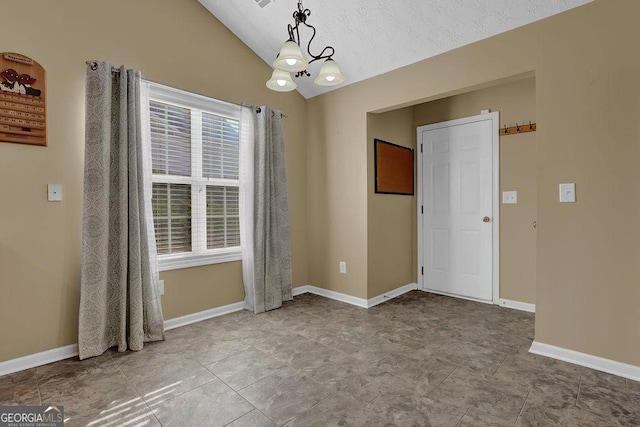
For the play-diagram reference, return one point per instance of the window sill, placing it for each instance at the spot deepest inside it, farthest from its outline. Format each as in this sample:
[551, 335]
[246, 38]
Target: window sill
[176, 262]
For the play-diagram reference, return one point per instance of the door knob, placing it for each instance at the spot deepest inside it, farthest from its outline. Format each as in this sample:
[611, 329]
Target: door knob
[486, 219]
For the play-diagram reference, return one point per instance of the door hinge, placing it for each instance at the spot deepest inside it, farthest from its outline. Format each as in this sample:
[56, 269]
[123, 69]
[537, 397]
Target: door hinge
[422, 271]
[421, 209]
[421, 148]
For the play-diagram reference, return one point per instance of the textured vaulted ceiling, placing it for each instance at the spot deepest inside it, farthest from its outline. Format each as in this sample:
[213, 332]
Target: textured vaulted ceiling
[372, 37]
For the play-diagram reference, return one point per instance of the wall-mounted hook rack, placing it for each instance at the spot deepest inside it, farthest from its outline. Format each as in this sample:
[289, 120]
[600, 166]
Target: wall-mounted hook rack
[518, 128]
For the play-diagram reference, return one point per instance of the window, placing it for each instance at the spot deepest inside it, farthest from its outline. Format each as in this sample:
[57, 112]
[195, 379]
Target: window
[194, 143]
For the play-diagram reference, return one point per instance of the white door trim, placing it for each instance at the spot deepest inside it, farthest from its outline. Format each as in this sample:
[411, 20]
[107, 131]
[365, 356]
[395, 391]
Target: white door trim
[495, 221]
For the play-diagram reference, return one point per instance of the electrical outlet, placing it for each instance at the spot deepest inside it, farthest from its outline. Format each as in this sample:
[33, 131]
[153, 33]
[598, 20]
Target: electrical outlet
[343, 267]
[54, 192]
[161, 287]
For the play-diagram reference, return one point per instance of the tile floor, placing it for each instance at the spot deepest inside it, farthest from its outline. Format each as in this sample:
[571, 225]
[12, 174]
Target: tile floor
[419, 359]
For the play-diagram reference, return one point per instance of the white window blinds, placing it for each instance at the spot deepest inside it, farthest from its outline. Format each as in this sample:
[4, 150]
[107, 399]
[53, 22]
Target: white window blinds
[195, 162]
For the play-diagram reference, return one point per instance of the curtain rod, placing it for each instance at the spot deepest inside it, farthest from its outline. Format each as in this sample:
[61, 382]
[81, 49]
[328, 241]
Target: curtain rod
[94, 65]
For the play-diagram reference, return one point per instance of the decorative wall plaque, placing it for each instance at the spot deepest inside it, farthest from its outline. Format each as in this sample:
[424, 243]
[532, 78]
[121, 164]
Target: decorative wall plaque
[23, 118]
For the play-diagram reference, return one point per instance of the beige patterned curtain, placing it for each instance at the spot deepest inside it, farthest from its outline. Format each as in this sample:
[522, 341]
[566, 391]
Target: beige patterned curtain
[266, 248]
[119, 301]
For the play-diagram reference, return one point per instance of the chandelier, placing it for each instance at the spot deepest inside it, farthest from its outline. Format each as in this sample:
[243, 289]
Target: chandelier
[290, 58]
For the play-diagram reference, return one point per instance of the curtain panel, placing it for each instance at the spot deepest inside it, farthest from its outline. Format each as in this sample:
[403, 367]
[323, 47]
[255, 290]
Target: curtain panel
[119, 299]
[265, 239]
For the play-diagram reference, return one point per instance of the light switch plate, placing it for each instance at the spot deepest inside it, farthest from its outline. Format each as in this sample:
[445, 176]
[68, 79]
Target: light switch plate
[568, 192]
[54, 192]
[509, 197]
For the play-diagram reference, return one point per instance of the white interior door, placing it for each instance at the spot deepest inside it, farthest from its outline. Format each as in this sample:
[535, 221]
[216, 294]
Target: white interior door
[457, 210]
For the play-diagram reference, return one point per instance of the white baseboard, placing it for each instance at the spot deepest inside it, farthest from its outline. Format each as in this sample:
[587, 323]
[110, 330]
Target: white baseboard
[38, 359]
[56, 354]
[338, 296]
[61, 353]
[391, 294]
[594, 362]
[299, 290]
[359, 302]
[446, 294]
[517, 305]
[202, 315]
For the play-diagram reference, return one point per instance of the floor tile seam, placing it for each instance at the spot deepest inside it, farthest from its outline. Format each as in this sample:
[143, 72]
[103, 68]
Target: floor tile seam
[142, 400]
[135, 388]
[311, 407]
[600, 413]
[41, 383]
[468, 406]
[176, 395]
[373, 401]
[522, 408]
[35, 373]
[200, 386]
[238, 392]
[295, 416]
[500, 417]
[152, 412]
[227, 357]
[459, 423]
[500, 366]
[219, 360]
[500, 392]
[578, 393]
[254, 409]
[386, 371]
[254, 382]
[124, 416]
[39, 395]
[447, 377]
[329, 347]
[611, 401]
[297, 372]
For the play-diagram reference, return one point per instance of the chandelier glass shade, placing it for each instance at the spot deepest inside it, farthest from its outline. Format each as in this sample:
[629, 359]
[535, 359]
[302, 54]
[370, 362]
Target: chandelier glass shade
[290, 59]
[281, 81]
[329, 74]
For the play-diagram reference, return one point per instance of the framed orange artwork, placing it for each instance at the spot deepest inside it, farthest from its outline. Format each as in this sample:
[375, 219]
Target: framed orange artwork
[23, 117]
[393, 168]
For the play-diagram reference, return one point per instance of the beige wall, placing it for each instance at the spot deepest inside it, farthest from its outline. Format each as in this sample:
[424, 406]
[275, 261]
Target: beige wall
[586, 66]
[586, 69]
[391, 256]
[177, 43]
[337, 201]
[516, 102]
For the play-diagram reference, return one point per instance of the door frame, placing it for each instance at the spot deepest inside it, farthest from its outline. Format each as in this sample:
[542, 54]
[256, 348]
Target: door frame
[494, 117]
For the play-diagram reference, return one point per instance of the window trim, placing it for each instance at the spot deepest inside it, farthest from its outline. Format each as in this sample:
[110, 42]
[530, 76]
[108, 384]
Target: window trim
[178, 261]
[181, 98]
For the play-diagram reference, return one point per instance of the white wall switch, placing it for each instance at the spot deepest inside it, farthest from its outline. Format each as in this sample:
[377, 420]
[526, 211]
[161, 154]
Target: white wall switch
[343, 267]
[568, 193]
[54, 192]
[161, 287]
[509, 197]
